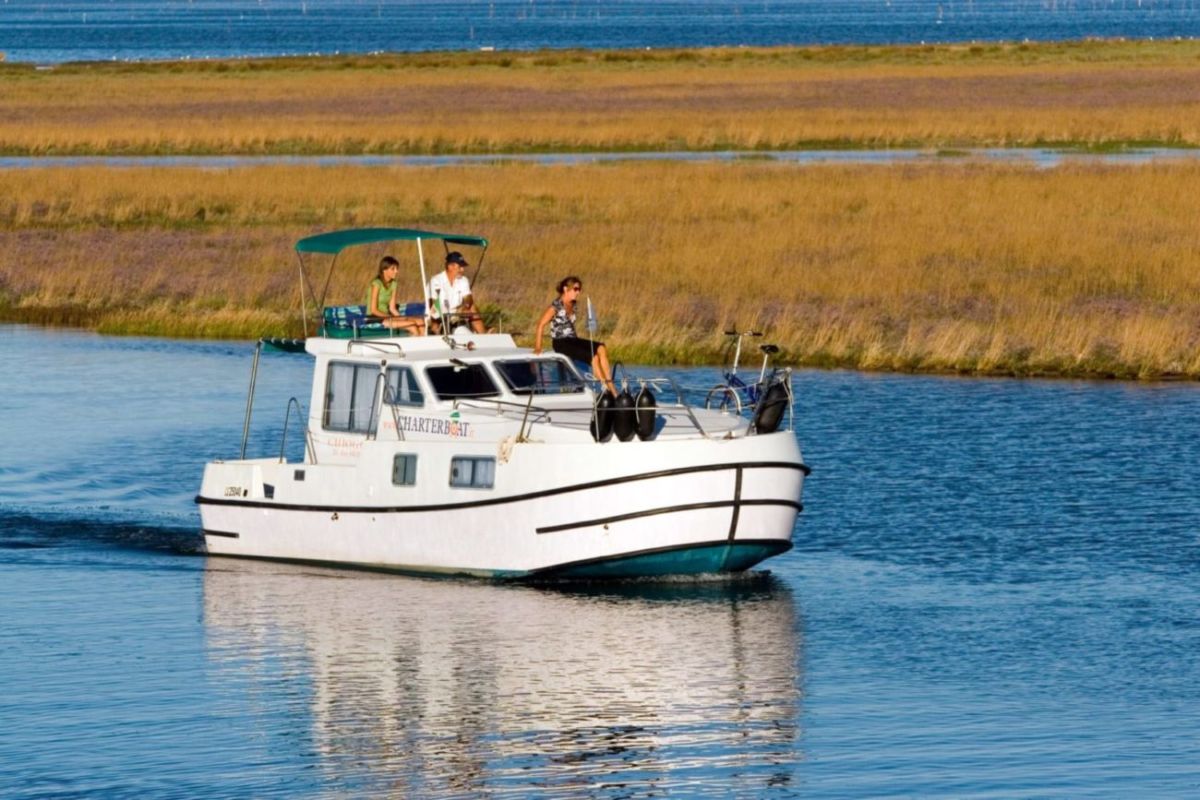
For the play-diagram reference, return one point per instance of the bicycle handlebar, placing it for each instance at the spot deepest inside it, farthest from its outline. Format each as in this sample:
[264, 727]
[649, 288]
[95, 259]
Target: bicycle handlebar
[745, 333]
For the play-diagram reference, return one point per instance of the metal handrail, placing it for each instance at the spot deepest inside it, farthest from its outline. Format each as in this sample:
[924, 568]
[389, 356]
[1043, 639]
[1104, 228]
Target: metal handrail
[528, 406]
[682, 403]
[377, 395]
[532, 414]
[250, 397]
[287, 417]
[375, 343]
[680, 400]
[524, 408]
[389, 399]
[791, 399]
[784, 376]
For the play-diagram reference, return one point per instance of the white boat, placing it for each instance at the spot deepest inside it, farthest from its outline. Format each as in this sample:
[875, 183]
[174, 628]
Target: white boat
[464, 454]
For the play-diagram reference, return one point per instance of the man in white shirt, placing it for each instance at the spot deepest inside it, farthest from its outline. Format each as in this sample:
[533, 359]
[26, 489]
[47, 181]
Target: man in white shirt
[450, 295]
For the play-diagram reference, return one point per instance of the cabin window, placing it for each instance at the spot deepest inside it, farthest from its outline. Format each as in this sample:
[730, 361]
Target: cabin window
[404, 469]
[463, 381]
[349, 396]
[473, 472]
[402, 388]
[540, 376]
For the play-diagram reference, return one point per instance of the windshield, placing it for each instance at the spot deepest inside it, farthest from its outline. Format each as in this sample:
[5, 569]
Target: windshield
[461, 381]
[540, 376]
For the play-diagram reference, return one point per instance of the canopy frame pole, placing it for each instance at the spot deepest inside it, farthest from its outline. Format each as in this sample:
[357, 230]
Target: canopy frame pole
[303, 303]
[424, 284]
[478, 267]
[312, 294]
[475, 282]
[328, 280]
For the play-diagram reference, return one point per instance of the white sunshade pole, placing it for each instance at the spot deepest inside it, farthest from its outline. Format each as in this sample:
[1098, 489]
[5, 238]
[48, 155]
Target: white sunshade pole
[424, 284]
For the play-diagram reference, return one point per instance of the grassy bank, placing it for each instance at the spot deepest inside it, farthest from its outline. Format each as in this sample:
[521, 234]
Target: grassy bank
[1084, 270]
[1098, 94]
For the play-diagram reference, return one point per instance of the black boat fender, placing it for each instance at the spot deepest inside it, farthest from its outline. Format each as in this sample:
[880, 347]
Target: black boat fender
[646, 413]
[769, 411]
[624, 424]
[602, 418]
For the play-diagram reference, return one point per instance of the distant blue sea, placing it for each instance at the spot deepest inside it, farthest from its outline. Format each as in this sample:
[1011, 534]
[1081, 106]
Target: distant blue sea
[51, 32]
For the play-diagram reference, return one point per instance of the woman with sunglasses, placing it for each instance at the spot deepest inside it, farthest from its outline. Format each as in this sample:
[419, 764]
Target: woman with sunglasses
[560, 316]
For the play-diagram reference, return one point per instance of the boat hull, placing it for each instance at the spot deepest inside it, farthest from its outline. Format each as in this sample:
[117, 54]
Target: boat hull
[697, 559]
[691, 507]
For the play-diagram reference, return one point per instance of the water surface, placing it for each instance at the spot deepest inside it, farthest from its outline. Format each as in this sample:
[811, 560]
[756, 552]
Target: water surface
[994, 592]
[1037, 156]
[45, 32]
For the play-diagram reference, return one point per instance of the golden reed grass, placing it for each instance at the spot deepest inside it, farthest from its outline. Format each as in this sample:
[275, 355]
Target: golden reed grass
[1092, 94]
[1080, 270]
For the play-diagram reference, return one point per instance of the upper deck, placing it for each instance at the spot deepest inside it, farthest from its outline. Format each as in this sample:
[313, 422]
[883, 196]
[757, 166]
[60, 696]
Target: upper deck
[500, 389]
[418, 348]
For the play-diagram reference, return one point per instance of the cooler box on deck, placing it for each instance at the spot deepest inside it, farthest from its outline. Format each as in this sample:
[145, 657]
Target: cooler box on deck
[351, 322]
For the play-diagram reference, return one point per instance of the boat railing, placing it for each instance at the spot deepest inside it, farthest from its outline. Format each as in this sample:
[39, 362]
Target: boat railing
[533, 414]
[382, 345]
[791, 393]
[783, 376]
[250, 396]
[522, 436]
[526, 409]
[529, 413]
[680, 399]
[308, 443]
[387, 397]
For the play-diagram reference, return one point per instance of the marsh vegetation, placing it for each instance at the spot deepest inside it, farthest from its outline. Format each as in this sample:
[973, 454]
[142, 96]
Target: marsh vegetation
[1094, 94]
[1080, 270]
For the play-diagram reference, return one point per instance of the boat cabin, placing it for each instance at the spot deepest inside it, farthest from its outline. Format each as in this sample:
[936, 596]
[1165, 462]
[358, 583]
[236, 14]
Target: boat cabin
[430, 391]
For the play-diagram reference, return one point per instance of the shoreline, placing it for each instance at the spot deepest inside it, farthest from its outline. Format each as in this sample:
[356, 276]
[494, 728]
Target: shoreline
[1110, 47]
[1042, 155]
[712, 358]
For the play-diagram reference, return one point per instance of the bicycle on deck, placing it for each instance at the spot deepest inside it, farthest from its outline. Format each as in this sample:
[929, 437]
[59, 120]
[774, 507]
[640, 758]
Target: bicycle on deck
[735, 393]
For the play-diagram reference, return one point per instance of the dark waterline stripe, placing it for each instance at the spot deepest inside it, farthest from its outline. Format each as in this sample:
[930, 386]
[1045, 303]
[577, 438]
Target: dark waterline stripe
[223, 534]
[654, 512]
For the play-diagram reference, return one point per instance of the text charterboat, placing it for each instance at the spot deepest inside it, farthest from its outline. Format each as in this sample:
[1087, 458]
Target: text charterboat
[464, 454]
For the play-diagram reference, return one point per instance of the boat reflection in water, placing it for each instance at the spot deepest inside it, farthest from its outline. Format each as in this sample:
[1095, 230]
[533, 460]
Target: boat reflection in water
[418, 687]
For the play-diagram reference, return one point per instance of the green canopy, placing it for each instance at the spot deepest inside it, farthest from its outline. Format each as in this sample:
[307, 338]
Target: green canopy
[337, 241]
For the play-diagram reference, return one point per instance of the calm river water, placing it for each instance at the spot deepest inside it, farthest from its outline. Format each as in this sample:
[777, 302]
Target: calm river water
[995, 592]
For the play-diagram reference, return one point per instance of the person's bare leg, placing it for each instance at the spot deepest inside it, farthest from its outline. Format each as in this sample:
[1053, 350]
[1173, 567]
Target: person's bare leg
[476, 319]
[602, 369]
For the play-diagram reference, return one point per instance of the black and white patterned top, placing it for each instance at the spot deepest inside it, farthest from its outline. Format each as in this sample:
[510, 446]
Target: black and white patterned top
[562, 324]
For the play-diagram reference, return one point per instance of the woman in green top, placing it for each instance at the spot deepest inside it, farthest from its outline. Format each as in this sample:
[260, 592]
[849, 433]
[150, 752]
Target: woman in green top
[381, 300]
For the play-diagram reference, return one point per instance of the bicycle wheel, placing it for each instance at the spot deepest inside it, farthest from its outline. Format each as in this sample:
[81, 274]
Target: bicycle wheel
[724, 399]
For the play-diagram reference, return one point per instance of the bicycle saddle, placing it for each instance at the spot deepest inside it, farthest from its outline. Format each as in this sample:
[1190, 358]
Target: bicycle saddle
[769, 349]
